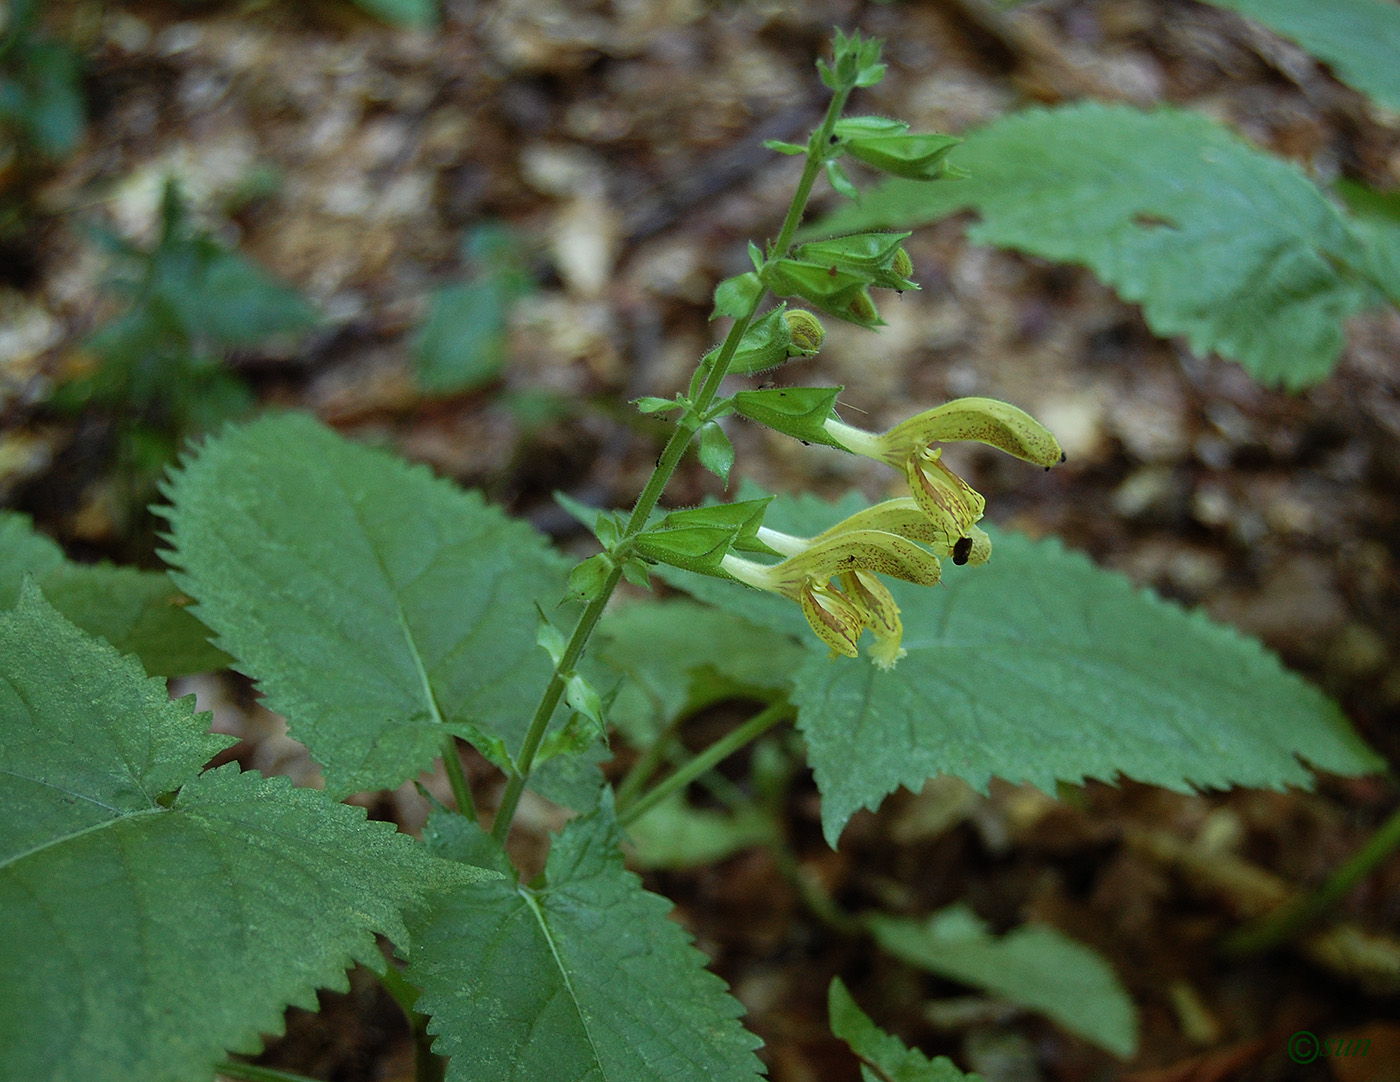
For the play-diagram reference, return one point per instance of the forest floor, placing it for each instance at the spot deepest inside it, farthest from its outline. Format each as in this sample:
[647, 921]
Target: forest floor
[622, 143]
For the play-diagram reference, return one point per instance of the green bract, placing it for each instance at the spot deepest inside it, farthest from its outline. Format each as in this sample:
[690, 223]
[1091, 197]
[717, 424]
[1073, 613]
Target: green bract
[764, 345]
[837, 291]
[914, 156]
[878, 255]
[800, 412]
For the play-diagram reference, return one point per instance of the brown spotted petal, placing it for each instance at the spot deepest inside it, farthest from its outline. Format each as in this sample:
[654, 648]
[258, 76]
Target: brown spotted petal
[837, 621]
[985, 420]
[952, 505]
[880, 612]
[866, 550]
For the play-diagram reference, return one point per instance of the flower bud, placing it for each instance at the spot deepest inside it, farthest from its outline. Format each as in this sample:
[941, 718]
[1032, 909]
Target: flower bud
[807, 332]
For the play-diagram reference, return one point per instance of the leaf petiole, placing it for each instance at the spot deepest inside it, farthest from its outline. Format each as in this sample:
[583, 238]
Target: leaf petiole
[721, 749]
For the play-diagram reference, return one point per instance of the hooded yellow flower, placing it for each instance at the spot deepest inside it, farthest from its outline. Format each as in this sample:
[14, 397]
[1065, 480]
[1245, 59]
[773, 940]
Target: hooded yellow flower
[853, 557]
[951, 505]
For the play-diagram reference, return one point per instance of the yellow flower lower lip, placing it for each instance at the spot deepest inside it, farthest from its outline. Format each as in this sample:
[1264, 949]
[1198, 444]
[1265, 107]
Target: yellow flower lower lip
[950, 502]
[853, 557]
[837, 621]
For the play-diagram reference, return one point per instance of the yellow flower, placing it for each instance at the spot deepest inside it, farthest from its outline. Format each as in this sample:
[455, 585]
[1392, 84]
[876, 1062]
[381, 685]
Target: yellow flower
[951, 505]
[853, 557]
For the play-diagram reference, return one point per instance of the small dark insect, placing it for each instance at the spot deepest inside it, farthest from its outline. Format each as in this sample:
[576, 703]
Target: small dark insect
[831, 273]
[962, 549]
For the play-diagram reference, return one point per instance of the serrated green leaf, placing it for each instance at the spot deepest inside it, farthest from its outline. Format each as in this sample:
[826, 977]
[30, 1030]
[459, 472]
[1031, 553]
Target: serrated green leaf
[144, 940]
[23, 548]
[1041, 667]
[1219, 242]
[1358, 39]
[379, 607]
[884, 1057]
[138, 612]
[1036, 966]
[571, 776]
[73, 709]
[584, 978]
[455, 837]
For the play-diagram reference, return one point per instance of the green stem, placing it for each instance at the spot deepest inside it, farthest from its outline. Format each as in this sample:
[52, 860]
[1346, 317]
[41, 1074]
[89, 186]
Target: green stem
[457, 778]
[647, 764]
[816, 158]
[553, 692]
[720, 750]
[1292, 917]
[249, 1072]
[427, 1066]
[398, 986]
[656, 484]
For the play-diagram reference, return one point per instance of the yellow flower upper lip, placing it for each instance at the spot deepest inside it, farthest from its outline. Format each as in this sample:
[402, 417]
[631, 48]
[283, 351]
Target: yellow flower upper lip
[985, 420]
[847, 550]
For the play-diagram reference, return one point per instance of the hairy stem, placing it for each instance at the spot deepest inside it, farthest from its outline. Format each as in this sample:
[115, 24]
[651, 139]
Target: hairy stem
[647, 764]
[553, 692]
[665, 466]
[720, 750]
